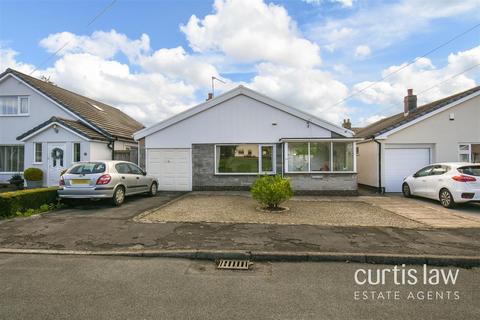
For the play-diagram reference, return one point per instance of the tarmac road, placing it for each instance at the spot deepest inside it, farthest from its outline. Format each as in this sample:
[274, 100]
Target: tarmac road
[88, 287]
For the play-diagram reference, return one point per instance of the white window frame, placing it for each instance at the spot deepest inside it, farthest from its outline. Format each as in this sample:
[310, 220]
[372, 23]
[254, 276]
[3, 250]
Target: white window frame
[19, 107]
[260, 145]
[73, 152]
[466, 152]
[35, 153]
[14, 145]
[331, 157]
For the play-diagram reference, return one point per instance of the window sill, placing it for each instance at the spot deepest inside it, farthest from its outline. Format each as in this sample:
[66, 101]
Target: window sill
[37, 162]
[319, 172]
[243, 174]
[14, 115]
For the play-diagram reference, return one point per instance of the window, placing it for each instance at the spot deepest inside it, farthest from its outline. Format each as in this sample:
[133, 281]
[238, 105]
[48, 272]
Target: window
[11, 158]
[470, 170]
[469, 153]
[122, 168]
[76, 152]
[14, 105]
[245, 159]
[423, 172]
[88, 168]
[342, 156]
[298, 156]
[439, 170]
[134, 169]
[38, 152]
[322, 156]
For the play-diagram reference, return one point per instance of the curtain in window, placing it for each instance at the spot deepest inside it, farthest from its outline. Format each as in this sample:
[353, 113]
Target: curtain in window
[11, 158]
[9, 105]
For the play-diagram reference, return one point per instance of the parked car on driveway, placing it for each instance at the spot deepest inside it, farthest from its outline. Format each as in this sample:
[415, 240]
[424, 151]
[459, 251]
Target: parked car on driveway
[450, 183]
[106, 179]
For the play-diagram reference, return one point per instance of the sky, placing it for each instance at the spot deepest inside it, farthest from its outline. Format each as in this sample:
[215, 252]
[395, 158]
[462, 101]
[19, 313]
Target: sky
[335, 59]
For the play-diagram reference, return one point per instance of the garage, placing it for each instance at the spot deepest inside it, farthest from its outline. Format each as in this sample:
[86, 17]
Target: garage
[402, 162]
[172, 168]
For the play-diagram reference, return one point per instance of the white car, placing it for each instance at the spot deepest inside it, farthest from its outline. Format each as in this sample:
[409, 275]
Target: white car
[450, 183]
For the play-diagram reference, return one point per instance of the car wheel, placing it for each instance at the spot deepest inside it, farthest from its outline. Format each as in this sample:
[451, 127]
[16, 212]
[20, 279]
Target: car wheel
[153, 190]
[446, 199]
[406, 190]
[118, 196]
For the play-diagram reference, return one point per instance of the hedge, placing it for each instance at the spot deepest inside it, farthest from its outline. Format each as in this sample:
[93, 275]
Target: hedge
[22, 200]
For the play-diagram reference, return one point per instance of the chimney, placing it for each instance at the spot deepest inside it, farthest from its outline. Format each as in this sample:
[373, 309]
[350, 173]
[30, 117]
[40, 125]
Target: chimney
[347, 124]
[210, 96]
[409, 102]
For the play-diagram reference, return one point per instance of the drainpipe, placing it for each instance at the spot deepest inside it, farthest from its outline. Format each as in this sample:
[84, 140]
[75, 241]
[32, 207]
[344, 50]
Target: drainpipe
[381, 189]
[111, 146]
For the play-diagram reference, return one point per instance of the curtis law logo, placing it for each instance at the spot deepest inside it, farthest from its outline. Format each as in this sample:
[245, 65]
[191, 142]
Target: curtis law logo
[404, 277]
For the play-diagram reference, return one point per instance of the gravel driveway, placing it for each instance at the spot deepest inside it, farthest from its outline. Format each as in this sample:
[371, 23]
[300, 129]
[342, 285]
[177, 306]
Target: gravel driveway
[241, 208]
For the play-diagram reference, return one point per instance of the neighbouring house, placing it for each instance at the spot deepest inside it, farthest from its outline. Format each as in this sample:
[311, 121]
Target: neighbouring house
[45, 126]
[447, 130]
[226, 142]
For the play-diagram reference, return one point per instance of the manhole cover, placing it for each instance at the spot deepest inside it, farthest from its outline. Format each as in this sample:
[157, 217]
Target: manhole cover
[234, 264]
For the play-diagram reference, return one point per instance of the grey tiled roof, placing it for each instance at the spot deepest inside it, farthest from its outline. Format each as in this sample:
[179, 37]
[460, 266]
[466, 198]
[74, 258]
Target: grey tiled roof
[73, 125]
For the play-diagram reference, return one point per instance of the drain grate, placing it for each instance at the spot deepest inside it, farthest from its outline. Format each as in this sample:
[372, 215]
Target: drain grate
[234, 264]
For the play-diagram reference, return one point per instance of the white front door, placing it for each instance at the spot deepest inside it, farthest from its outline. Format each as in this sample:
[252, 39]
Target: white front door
[172, 168]
[400, 163]
[57, 162]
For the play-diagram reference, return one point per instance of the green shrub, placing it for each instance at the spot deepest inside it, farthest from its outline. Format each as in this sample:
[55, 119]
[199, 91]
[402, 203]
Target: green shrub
[33, 174]
[271, 191]
[22, 200]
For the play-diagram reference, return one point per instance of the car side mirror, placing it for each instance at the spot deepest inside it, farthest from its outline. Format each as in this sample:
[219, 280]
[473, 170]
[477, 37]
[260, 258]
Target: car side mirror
[144, 173]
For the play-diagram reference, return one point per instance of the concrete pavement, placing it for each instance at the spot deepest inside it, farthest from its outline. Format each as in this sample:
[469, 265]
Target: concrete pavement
[60, 287]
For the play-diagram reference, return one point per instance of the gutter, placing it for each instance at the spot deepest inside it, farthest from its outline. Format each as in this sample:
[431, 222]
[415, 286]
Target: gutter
[381, 189]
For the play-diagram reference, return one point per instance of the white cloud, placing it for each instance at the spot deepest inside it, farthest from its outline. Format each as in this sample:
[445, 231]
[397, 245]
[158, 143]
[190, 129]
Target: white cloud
[8, 60]
[363, 122]
[362, 51]
[148, 97]
[382, 25]
[311, 90]
[100, 43]
[345, 3]
[420, 76]
[251, 31]
[178, 64]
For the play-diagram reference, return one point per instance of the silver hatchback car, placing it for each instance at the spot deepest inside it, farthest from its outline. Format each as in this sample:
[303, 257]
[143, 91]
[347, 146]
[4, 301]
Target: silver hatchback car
[106, 179]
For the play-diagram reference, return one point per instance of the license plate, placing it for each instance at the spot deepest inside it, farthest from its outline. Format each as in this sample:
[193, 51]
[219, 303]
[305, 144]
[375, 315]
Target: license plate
[80, 181]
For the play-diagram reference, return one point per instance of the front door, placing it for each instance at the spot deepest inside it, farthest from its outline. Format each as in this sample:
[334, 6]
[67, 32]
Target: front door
[56, 162]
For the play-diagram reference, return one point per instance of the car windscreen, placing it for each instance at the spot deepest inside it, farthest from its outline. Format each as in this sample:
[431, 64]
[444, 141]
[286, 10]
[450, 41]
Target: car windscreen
[470, 170]
[88, 168]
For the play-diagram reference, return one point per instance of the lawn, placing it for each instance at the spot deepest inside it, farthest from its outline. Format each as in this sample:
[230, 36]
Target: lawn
[241, 208]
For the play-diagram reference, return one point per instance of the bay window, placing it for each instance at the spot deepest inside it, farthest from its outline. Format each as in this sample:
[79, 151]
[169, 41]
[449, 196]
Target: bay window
[342, 156]
[298, 157]
[244, 159]
[11, 159]
[320, 156]
[14, 105]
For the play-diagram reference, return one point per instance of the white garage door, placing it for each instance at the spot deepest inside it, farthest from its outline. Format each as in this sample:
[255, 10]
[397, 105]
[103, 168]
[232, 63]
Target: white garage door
[172, 167]
[400, 163]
